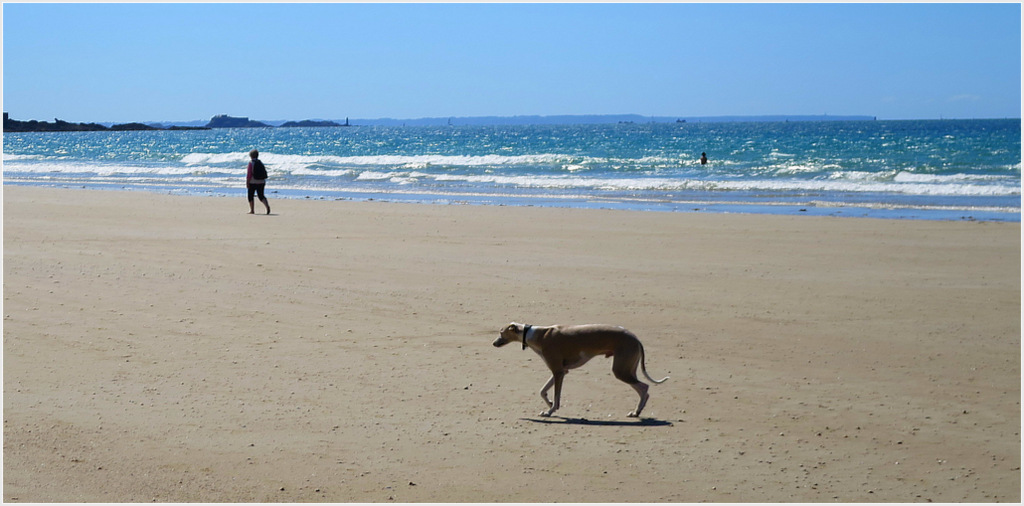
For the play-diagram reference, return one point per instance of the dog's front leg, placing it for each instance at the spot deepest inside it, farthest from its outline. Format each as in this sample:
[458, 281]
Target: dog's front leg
[556, 380]
[544, 395]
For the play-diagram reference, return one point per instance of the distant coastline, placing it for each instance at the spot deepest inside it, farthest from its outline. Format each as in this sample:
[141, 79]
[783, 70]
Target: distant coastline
[13, 125]
[225, 121]
[580, 119]
[597, 119]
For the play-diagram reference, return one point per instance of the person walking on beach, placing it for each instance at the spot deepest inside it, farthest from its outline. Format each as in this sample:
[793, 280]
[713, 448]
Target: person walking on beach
[256, 181]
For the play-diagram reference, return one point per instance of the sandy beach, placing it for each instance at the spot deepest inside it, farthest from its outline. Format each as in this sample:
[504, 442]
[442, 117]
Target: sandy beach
[175, 349]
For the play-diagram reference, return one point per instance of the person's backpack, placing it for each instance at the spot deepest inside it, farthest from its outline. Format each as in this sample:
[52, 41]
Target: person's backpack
[258, 170]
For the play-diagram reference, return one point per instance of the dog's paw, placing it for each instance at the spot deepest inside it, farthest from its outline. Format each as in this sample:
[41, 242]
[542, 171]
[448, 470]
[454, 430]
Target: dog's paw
[633, 414]
[545, 413]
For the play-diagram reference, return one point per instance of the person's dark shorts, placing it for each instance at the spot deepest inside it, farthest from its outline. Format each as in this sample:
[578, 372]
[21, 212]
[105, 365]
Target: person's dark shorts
[256, 189]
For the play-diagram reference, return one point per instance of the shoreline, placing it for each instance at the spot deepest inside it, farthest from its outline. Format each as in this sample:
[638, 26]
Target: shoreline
[818, 209]
[176, 349]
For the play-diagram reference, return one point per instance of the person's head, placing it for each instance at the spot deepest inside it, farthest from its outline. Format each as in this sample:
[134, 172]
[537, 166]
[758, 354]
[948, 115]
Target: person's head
[254, 154]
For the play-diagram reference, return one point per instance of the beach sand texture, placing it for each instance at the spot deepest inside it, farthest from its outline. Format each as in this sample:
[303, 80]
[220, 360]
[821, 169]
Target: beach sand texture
[175, 348]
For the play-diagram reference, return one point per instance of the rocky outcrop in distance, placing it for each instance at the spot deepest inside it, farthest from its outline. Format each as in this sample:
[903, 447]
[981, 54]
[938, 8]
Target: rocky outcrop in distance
[219, 121]
[225, 121]
[13, 125]
[310, 123]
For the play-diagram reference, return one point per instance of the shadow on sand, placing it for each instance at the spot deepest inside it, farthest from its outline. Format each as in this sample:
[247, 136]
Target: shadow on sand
[641, 422]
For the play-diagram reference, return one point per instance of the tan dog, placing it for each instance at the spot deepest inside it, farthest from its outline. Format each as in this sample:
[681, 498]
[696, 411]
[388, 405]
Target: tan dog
[568, 347]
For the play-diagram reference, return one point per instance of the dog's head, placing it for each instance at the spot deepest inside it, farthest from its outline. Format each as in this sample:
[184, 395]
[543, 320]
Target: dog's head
[509, 334]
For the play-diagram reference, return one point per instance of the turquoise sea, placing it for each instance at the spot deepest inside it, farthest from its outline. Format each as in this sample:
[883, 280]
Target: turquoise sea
[940, 169]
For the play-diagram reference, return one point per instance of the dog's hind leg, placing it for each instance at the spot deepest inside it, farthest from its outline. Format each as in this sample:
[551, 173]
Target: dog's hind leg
[624, 368]
[641, 389]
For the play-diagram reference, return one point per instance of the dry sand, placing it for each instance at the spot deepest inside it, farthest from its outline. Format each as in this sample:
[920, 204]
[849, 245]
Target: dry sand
[166, 348]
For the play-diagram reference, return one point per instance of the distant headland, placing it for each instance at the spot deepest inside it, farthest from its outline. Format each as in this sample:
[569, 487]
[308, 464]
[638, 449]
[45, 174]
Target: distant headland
[225, 121]
[219, 121]
[13, 125]
[598, 119]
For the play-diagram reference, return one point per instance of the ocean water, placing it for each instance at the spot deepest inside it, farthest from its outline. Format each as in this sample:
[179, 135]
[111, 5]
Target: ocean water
[941, 169]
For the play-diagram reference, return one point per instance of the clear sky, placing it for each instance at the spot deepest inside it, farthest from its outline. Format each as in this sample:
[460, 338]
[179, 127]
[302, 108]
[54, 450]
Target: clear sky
[180, 62]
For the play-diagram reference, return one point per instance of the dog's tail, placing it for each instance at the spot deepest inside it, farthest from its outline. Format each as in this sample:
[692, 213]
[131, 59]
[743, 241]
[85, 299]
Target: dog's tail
[643, 367]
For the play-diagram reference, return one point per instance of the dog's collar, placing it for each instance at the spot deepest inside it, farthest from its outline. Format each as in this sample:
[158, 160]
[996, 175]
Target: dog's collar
[526, 331]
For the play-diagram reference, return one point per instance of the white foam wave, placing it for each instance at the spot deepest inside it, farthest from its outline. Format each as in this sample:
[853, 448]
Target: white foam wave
[214, 158]
[13, 158]
[871, 187]
[108, 169]
[805, 168]
[572, 174]
[908, 177]
[854, 175]
[776, 185]
[303, 171]
[412, 161]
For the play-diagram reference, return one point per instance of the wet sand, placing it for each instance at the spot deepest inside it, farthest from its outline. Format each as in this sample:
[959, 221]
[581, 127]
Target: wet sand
[177, 349]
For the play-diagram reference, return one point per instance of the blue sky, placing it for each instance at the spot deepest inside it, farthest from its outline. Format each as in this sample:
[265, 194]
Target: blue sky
[179, 62]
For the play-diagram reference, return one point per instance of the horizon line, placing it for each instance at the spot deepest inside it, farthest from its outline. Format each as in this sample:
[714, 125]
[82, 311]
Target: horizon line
[548, 118]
